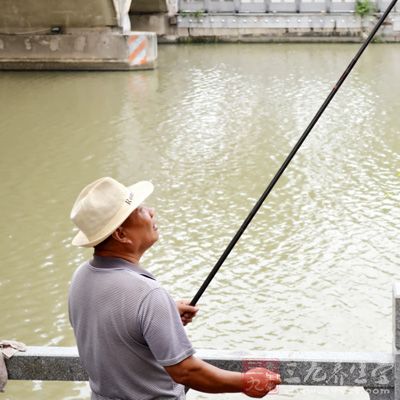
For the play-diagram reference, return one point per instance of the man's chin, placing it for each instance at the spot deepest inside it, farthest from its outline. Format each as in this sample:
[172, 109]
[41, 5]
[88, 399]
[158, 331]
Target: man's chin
[156, 237]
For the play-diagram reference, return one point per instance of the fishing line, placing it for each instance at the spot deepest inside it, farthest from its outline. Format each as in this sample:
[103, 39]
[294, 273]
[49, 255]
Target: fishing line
[275, 179]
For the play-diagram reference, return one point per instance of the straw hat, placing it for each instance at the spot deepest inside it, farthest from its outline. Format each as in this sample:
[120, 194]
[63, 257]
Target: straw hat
[103, 206]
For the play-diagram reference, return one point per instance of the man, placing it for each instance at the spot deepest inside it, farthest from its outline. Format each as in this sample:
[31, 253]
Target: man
[129, 331]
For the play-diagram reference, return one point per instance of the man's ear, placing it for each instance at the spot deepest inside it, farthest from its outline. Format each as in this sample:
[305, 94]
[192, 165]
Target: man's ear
[119, 236]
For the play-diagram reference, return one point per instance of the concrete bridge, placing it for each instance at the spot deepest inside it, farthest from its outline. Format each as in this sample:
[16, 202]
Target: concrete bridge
[97, 34]
[76, 34]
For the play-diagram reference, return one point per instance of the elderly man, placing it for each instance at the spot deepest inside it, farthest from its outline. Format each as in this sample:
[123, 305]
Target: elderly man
[129, 331]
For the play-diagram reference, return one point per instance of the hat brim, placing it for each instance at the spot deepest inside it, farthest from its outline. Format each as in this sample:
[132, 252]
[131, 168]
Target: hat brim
[140, 191]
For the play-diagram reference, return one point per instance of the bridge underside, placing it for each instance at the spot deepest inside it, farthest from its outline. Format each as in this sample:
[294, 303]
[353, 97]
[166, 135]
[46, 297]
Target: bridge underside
[40, 14]
[18, 14]
[149, 6]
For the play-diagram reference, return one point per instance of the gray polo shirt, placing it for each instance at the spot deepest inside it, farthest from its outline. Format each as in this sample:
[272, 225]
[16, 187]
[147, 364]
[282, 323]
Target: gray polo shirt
[127, 328]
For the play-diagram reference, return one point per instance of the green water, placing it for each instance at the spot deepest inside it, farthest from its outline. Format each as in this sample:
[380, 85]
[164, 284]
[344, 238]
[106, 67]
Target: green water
[210, 127]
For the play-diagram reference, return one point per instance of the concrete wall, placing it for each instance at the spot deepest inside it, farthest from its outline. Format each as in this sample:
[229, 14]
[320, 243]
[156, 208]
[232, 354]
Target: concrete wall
[149, 6]
[36, 14]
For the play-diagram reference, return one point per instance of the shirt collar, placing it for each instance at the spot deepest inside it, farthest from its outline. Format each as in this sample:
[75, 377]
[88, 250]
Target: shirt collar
[116, 262]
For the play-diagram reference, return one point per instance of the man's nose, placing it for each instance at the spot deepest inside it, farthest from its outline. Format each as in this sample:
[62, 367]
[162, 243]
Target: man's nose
[152, 212]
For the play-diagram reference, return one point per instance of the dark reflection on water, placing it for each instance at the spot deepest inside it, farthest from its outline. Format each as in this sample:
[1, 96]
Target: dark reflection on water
[210, 128]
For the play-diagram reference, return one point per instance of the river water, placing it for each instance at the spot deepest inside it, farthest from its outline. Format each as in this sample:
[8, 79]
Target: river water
[210, 127]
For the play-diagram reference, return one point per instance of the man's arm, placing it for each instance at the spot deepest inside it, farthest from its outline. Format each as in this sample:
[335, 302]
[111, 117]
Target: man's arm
[204, 377]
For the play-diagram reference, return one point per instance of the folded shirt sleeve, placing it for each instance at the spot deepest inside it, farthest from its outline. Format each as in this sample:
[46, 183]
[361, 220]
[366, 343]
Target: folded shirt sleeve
[162, 328]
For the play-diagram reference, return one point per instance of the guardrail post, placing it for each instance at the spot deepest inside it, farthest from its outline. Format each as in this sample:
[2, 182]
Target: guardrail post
[376, 393]
[396, 339]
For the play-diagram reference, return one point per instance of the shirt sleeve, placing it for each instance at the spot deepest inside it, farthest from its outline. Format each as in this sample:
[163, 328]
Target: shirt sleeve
[162, 328]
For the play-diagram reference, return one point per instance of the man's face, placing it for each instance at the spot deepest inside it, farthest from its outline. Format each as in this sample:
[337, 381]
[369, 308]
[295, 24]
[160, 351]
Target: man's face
[141, 227]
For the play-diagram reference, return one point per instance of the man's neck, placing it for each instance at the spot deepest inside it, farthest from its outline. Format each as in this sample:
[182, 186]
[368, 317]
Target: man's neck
[133, 258]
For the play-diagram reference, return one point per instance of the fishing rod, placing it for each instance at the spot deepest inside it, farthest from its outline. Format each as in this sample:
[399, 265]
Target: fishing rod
[303, 137]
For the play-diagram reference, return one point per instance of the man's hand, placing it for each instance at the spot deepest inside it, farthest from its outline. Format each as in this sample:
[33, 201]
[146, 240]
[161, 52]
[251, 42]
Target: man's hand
[257, 382]
[186, 311]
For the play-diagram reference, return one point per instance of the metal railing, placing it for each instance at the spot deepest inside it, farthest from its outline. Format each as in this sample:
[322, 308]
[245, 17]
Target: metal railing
[281, 6]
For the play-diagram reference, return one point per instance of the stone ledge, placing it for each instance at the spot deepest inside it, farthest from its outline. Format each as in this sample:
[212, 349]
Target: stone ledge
[372, 370]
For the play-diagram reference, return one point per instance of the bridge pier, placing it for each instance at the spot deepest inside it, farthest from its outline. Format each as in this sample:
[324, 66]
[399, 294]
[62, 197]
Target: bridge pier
[71, 34]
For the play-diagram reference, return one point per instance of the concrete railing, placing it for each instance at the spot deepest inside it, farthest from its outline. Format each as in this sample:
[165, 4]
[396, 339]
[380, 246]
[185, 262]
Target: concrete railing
[372, 371]
[377, 373]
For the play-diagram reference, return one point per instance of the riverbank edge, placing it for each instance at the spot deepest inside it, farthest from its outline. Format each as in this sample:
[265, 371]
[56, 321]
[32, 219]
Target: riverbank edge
[188, 28]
